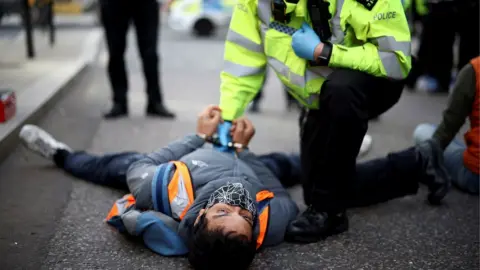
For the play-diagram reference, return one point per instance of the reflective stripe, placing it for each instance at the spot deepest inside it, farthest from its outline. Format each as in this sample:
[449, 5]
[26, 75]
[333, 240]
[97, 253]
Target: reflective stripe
[282, 69]
[263, 216]
[337, 33]
[238, 70]
[322, 71]
[391, 64]
[180, 191]
[238, 39]
[388, 43]
[264, 11]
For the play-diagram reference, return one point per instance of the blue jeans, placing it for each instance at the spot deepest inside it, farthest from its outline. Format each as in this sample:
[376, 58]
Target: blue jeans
[462, 177]
[107, 170]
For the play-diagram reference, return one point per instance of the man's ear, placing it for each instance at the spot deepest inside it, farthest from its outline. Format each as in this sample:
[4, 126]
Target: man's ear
[199, 215]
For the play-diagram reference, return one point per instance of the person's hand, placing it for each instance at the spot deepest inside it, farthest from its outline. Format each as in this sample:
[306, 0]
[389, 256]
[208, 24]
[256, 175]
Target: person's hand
[305, 41]
[242, 131]
[208, 120]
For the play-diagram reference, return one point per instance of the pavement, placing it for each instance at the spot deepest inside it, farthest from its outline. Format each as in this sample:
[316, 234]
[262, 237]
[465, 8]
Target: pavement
[39, 81]
[50, 220]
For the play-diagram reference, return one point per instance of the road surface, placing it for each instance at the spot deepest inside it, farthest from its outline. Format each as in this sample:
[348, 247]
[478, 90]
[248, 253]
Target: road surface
[49, 220]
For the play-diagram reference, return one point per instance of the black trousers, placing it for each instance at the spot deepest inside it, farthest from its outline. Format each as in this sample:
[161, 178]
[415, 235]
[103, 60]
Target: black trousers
[332, 135]
[441, 25]
[116, 18]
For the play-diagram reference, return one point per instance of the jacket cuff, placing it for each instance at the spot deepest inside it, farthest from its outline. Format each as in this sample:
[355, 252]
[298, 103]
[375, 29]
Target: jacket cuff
[336, 57]
[194, 140]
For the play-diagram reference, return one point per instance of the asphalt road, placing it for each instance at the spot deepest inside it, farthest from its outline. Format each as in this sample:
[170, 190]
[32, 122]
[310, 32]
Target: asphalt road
[49, 220]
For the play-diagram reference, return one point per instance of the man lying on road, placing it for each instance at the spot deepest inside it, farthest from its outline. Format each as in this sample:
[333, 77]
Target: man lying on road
[218, 207]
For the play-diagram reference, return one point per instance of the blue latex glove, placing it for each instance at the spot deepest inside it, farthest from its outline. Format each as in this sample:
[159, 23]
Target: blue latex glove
[304, 42]
[223, 131]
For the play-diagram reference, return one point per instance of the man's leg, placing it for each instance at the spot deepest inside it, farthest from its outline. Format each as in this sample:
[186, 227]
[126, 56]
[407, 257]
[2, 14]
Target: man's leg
[441, 36]
[146, 18]
[286, 167]
[330, 142]
[108, 170]
[461, 176]
[116, 19]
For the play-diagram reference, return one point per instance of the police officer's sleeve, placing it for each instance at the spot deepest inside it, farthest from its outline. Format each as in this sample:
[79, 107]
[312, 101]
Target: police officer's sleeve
[385, 32]
[244, 61]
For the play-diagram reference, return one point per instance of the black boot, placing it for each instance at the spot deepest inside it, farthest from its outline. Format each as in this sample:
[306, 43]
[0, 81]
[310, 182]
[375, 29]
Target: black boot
[312, 226]
[159, 110]
[117, 111]
[436, 176]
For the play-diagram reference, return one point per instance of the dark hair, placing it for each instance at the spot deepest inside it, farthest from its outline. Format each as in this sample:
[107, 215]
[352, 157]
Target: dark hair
[215, 250]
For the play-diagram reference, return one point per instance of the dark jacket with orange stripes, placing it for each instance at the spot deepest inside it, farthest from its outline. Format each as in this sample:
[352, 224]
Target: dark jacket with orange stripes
[170, 186]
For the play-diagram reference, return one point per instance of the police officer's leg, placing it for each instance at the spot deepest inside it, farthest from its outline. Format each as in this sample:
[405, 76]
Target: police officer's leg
[330, 141]
[146, 18]
[116, 19]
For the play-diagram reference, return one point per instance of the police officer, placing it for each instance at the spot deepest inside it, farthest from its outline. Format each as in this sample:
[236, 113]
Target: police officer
[117, 15]
[344, 60]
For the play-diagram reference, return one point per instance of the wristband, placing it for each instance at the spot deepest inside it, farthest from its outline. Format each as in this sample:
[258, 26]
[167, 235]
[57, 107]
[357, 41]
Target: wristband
[236, 145]
[210, 139]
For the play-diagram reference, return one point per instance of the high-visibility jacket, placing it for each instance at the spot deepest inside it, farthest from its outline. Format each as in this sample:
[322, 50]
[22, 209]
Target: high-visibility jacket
[471, 156]
[375, 41]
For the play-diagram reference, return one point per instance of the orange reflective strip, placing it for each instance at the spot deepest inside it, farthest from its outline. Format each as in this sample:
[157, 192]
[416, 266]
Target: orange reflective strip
[113, 212]
[264, 194]
[263, 223]
[130, 200]
[187, 183]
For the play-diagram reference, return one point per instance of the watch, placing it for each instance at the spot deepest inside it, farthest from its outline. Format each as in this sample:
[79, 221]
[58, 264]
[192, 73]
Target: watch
[324, 58]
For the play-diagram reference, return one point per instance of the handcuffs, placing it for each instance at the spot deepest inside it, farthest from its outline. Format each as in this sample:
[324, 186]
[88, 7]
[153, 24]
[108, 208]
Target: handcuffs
[216, 141]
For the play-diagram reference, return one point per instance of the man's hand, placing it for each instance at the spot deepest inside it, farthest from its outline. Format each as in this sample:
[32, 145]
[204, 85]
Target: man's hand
[242, 131]
[305, 41]
[208, 120]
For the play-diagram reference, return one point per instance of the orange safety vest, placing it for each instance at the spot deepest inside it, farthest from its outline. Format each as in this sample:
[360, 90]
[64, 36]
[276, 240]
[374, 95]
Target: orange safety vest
[471, 156]
[175, 188]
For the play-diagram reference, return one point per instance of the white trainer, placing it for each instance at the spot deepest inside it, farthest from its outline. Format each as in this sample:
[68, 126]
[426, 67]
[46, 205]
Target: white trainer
[40, 141]
[366, 145]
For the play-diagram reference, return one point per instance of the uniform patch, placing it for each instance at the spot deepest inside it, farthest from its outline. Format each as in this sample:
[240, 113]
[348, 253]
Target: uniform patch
[368, 4]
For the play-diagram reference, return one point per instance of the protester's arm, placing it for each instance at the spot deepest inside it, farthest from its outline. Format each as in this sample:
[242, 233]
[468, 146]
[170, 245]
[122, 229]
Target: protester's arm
[244, 61]
[385, 29]
[459, 106]
[141, 173]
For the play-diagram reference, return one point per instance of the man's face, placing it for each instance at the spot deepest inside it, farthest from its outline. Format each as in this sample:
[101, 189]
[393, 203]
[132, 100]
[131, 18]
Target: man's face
[229, 219]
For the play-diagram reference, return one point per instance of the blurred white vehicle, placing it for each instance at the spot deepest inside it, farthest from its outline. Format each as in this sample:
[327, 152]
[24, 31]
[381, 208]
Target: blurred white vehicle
[200, 17]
